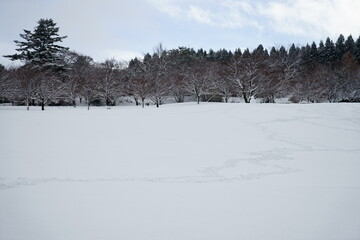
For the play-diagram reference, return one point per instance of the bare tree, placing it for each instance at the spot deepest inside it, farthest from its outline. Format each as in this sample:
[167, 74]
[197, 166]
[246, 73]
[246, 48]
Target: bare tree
[332, 82]
[25, 84]
[308, 88]
[89, 85]
[7, 84]
[353, 86]
[177, 89]
[36, 85]
[329, 83]
[199, 79]
[148, 78]
[175, 69]
[180, 69]
[78, 68]
[139, 85]
[109, 82]
[49, 86]
[281, 71]
[221, 83]
[349, 73]
[156, 73]
[248, 73]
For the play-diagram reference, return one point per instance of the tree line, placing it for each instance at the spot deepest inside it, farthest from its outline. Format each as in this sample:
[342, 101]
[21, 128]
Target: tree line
[53, 75]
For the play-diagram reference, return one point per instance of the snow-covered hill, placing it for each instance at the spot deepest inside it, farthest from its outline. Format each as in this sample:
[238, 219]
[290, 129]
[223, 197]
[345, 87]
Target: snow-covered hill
[183, 171]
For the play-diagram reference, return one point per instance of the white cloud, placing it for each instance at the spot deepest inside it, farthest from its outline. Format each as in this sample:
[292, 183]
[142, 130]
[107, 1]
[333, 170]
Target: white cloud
[238, 14]
[226, 14]
[200, 15]
[313, 18]
[170, 7]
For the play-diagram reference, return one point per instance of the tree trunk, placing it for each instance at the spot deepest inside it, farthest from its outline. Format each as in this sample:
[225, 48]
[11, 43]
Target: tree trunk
[142, 102]
[246, 99]
[198, 99]
[74, 103]
[157, 102]
[80, 100]
[272, 99]
[27, 104]
[88, 104]
[136, 101]
[42, 105]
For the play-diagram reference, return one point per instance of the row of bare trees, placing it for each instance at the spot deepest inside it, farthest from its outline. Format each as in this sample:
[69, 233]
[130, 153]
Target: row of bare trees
[295, 73]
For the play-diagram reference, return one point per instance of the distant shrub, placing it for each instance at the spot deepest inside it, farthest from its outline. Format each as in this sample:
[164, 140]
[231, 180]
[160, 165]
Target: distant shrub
[60, 103]
[294, 99]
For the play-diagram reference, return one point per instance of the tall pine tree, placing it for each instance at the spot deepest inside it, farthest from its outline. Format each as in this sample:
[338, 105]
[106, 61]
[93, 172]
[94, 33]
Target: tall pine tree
[329, 52]
[357, 49]
[40, 47]
[350, 45]
[313, 55]
[340, 47]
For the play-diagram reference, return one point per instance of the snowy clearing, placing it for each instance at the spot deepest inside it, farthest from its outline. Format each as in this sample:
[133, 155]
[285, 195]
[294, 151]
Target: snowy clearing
[183, 171]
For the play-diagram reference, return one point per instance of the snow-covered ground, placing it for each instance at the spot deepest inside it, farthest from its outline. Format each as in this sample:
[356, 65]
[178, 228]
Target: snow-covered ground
[181, 172]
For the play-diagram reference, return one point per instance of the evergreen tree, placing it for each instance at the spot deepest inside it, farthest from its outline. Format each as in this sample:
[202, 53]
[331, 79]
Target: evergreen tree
[260, 51]
[230, 55]
[357, 49]
[313, 54]
[340, 47]
[329, 52]
[305, 53]
[237, 53]
[185, 56]
[211, 55]
[246, 54]
[222, 55]
[294, 51]
[147, 58]
[40, 47]
[266, 53]
[321, 52]
[350, 45]
[201, 54]
[282, 52]
[273, 52]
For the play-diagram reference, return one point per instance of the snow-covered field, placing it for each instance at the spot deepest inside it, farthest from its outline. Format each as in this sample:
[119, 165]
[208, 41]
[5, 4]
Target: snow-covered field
[181, 172]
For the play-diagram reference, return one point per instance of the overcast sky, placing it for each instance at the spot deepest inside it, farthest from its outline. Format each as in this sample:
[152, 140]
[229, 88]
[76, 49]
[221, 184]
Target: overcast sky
[124, 29]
